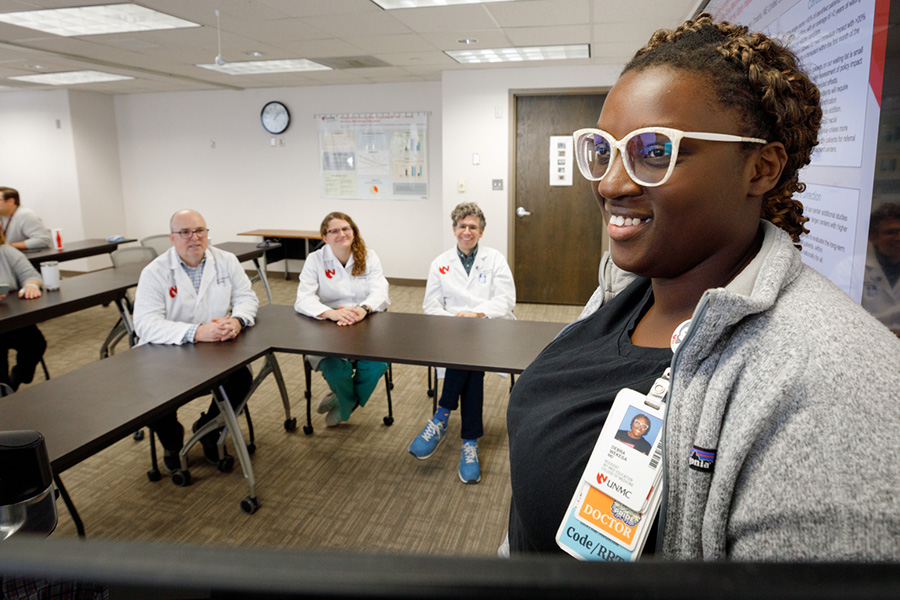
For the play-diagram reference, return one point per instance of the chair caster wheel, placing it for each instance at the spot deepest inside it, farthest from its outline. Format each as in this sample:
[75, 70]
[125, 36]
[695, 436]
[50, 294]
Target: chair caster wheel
[290, 424]
[389, 421]
[431, 393]
[307, 395]
[138, 435]
[154, 475]
[181, 477]
[225, 465]
[251, 448]
[250, 505]
[308, 429]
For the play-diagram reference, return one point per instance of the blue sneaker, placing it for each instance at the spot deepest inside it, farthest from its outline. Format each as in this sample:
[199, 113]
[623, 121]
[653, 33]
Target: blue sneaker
[469, 469]
[427, 442]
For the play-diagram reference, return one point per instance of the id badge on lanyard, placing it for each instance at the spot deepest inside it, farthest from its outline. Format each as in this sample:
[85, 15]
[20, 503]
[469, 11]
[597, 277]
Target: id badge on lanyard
[618, 495]
[619, 492]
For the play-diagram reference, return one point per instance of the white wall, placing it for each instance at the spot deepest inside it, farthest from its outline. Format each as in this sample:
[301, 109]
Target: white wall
[470, 103]
[99, 175]
[37, 157]
[125, 164]
[208, 151]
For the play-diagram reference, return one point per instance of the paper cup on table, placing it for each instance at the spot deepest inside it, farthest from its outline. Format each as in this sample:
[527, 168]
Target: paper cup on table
[56, 238]
[50, 274]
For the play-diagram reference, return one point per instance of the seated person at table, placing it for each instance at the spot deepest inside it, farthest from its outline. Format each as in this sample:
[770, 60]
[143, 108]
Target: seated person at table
[470, 281]
[194, 293]
[881, 284]
[22, 226]
[343, 282]
[787, 386]
[18, 274]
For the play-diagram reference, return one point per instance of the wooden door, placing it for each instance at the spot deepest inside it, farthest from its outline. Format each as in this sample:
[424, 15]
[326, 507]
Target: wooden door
[558, 246]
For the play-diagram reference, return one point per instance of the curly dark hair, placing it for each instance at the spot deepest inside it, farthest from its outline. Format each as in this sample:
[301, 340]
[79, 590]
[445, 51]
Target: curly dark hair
[357, 246]
[758, 78]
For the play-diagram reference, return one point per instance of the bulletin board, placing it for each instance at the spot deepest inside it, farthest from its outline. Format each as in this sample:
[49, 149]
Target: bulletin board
[373, 156]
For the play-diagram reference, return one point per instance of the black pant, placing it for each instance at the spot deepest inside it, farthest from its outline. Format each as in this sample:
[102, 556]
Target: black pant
[29, 344]
[169, 430]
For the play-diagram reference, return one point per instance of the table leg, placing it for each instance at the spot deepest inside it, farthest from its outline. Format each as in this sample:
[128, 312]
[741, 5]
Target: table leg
[79, 526]
[261, 273]
[240, 447]
[124, 311]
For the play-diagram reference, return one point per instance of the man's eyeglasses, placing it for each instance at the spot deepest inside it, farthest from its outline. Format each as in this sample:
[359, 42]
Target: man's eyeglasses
[467, 226]
[186, 234]
[344, 230]
[649, 153]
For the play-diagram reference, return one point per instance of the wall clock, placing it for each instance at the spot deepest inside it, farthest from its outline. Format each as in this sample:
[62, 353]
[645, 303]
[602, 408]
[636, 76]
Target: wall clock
[275, 117]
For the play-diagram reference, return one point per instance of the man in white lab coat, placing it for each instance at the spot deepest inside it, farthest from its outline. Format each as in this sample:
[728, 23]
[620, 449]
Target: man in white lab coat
[193, 293]
[881, 285]
[469, 281]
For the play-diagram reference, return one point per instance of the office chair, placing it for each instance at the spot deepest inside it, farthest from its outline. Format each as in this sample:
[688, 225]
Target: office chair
[160, 242]
[388, 386]
[433, 389]
[124, 256]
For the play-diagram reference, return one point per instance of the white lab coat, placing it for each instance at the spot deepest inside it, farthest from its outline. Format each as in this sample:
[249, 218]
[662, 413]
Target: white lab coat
[325, 284]
[166, 305]
[878, 297]
[488, 288]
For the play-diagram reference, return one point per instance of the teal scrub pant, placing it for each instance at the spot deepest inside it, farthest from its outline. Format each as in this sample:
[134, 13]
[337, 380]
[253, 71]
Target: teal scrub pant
[353, 387]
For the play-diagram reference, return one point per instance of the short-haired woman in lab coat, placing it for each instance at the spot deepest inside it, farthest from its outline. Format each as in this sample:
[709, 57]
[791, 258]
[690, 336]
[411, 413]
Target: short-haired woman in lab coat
[466, 281]
[343, 282]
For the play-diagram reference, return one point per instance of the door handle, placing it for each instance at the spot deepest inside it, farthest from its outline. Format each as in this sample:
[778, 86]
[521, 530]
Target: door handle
[521, 212]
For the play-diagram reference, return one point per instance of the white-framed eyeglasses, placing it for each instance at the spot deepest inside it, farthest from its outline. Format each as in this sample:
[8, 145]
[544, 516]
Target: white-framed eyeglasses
[649, 153]
[344, 230]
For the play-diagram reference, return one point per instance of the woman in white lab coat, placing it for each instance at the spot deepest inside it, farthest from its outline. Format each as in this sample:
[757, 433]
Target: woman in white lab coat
[466, 281]
[343, 282]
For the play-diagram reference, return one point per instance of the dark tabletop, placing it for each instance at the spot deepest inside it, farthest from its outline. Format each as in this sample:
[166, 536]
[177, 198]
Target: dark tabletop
[73, 250]
[245, 250]
[74, 293]
[477, 344]
[85, 410]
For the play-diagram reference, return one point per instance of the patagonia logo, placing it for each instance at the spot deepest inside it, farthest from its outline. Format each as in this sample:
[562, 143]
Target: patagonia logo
[444, 270]
[702, 459]
[329, 273]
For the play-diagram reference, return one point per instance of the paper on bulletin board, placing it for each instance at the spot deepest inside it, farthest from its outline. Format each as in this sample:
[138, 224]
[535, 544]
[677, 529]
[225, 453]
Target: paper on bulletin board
[373, 156]
[560, 160]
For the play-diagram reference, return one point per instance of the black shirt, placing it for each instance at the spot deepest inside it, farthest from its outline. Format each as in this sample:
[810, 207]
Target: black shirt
[640, 444]
[558, 407]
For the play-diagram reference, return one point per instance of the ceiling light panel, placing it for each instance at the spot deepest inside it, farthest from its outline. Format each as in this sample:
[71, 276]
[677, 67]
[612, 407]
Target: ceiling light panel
[71, 78]
[392, 4]
[95, 20]
[496, 55]
[256, 67]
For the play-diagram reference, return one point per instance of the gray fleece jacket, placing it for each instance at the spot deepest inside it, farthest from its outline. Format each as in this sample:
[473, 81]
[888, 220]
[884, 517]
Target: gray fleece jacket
[796, 389]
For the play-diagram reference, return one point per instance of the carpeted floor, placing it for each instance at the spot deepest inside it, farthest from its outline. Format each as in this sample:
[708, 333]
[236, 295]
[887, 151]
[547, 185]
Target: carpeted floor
[354, 487]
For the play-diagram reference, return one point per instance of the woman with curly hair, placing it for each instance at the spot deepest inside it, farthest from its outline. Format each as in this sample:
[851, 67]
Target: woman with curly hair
[782, 382]
[343, 282]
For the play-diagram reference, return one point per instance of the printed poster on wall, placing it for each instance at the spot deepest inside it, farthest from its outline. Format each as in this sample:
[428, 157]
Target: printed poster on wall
[373, 156]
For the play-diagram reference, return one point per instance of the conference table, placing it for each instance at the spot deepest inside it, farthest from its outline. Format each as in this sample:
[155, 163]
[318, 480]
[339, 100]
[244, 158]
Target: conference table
[98, 287]
[88, 409]
[73, 250]
[287, 240]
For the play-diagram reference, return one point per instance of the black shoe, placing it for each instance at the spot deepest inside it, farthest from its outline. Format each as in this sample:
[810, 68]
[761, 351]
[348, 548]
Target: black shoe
[171, 462]
[209, 441]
